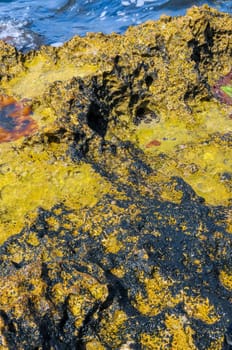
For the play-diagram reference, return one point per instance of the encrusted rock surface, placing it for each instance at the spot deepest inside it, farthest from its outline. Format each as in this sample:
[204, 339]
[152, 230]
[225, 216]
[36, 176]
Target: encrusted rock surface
[115, 212]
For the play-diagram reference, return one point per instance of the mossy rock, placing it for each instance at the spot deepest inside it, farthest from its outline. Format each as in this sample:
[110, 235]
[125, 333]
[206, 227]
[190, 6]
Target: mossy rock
[116, 210]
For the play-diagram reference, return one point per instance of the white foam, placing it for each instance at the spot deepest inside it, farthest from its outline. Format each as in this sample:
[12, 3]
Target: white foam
[16, 34]
[103, 14]
[57, 44]
[138, 3]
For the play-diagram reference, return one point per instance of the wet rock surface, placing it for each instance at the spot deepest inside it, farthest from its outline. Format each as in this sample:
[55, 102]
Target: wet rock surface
[116, 215]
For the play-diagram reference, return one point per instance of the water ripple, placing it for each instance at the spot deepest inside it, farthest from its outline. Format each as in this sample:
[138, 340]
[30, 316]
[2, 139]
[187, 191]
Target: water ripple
[29, 24]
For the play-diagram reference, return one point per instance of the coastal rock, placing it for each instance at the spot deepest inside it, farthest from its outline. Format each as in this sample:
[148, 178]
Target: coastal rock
[116, 215]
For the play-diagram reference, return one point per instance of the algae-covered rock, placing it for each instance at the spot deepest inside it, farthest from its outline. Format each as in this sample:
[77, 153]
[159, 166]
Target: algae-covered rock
[115, 205]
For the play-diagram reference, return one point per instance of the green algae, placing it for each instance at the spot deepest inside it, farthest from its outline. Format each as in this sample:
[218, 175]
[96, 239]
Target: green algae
[227, 89]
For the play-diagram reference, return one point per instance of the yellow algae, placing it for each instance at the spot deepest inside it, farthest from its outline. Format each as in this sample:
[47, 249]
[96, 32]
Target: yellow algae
[113, 330]
[111, 243]
[94, 345]
[45, 118]
[188, 154]
[39, 287]
[119, 317]
[226, 279]
[14, 292]
[169, 132]
[142, 114]
[81, 294]
[77, 304]
[158, 295]
[33, 179]
[181, 333]
[33, 239]
[229, 221]
[91, 285]
[59, 292]
[97, 290]
[52, 223]
[211, 161]
[112, 217]
[118, 271]
[154, 342]
[217, 344]
[168, 192]
[201, 309]
[17, 257]
[41, 72]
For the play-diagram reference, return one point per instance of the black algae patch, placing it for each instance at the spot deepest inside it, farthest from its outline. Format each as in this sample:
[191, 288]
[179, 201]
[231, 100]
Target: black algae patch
[163, 236]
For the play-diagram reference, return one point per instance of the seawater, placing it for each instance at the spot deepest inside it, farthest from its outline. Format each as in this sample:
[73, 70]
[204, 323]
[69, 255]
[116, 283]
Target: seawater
[29, 24]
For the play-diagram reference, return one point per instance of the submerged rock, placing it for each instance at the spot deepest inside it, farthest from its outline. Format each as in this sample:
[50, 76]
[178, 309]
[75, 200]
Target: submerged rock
[116, 211]
[15, 120]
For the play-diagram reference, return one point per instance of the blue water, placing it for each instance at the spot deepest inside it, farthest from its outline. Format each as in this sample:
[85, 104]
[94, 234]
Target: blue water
[28, 24]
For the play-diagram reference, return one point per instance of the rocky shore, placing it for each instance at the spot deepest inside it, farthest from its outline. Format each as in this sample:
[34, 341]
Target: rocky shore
[115, 189]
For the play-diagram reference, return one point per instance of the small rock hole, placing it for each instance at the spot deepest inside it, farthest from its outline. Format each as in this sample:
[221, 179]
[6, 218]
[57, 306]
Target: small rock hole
[148, 80]
[96, 120]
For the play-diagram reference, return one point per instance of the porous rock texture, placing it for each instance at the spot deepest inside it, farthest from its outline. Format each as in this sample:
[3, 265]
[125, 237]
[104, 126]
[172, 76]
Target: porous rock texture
[115, 214]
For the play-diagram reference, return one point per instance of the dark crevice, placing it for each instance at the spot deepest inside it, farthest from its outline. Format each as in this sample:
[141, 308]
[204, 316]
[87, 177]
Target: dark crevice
[10, 331]
[143, 113]
[92, 320]
[96, 120]
[55, 137]
[117, 289]
[148, 80]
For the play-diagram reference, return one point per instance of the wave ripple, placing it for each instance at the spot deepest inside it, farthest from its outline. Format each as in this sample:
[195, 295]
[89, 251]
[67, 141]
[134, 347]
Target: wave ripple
[33, 23]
